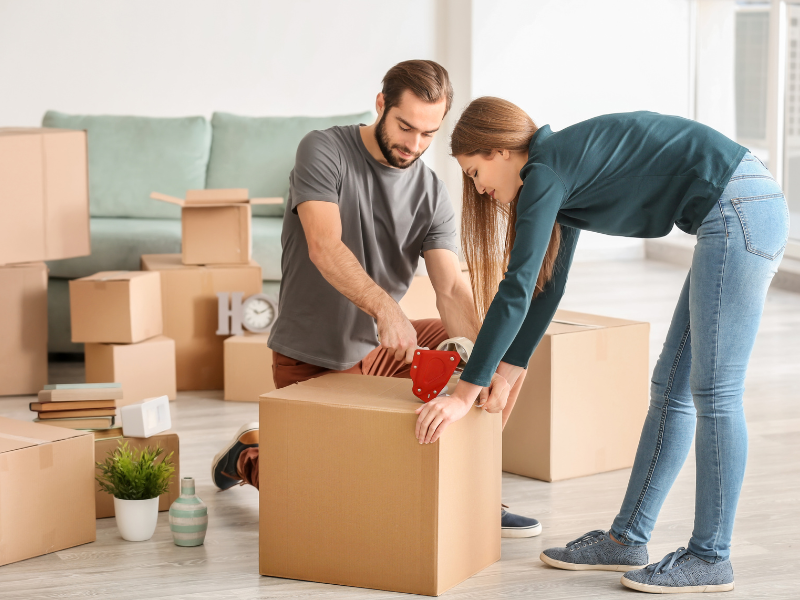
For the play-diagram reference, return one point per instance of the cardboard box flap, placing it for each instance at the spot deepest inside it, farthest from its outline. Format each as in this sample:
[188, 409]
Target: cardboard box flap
[11, 131]
[116, 276]
[166, 198]
[566, 321]
[15, 435]
[390, 394]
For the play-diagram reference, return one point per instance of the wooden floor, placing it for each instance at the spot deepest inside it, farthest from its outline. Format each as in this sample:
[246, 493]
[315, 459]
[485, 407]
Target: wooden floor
[766, 549]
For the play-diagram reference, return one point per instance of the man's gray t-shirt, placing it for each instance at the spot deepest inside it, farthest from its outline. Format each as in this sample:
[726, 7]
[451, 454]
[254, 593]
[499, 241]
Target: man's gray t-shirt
[389, 218]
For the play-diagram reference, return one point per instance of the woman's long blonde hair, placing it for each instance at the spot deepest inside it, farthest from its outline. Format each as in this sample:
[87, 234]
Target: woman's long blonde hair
[487, 226]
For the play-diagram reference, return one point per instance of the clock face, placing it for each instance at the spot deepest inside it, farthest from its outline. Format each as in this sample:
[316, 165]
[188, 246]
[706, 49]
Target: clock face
[258, 314]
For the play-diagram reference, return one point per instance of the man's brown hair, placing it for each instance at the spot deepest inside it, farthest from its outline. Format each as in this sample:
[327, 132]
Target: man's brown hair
[426, 79]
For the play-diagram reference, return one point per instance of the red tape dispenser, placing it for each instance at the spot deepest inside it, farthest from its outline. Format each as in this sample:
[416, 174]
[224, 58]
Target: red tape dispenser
[431, 370]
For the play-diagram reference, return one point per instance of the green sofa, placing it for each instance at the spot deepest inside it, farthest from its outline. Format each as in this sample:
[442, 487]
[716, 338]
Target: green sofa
[129, 157]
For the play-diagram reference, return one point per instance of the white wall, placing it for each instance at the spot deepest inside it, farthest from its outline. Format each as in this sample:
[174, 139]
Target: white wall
[564, 61]
[184, 57]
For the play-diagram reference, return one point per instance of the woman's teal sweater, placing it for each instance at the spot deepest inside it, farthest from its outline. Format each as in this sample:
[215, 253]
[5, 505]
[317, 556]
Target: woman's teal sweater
[628, 174]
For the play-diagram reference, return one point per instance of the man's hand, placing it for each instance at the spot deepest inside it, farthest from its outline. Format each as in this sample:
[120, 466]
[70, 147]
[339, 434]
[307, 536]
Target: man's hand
[396, 333]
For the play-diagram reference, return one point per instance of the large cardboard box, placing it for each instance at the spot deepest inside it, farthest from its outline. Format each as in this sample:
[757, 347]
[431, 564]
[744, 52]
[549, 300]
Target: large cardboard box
[116, 307]
[215, 225]
[145, 369]
[44, 195]
[23, 328]
[583, 403]
[46, 489]
[104, 502]
[189, 304]
[348, 495]
[248, 367]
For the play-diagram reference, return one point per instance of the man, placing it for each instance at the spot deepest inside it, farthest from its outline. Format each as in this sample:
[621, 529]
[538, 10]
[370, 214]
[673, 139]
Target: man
[361, 210]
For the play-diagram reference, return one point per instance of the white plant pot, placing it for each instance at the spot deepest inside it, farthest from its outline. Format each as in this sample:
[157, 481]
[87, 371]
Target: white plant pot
[136, 519]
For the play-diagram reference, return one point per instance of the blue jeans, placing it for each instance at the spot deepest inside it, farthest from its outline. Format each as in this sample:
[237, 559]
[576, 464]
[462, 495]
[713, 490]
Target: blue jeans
[699, 378]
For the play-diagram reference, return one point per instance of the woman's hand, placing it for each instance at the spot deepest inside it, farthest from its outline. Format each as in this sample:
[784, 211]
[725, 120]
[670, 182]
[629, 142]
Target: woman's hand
[436, 415]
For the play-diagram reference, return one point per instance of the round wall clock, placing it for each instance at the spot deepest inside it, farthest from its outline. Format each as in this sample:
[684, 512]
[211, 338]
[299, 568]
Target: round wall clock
[259, 313]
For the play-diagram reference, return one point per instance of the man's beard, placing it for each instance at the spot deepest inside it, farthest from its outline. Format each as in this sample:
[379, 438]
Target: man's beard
[385, 144]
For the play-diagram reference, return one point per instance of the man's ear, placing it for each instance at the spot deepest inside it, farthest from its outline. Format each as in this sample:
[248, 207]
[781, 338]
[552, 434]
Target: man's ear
[506, 154]
[380, 102]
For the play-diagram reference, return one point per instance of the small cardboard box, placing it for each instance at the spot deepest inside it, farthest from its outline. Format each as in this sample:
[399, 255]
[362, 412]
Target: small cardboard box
[248, 367]
[215, 225]
[189, 304]
[145, 369]
[104, 502]
[44, 195]
[23, 328]
[588, 380]
[46, 489]
[116, 307]
[348, 495]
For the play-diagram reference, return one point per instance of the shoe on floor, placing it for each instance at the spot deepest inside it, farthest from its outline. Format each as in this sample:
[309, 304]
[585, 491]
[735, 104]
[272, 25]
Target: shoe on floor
[681, 572]
[223, 468]
[595, 551]
[517, 526]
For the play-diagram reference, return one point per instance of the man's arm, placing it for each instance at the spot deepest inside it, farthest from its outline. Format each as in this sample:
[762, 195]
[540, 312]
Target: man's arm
[322, 226]
[453, 294]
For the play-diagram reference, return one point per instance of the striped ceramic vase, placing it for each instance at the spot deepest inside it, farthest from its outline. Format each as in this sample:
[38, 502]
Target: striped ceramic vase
[188, 516]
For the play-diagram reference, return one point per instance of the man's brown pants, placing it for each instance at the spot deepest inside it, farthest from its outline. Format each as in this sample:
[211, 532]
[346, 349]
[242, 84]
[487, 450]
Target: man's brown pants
[380, 362]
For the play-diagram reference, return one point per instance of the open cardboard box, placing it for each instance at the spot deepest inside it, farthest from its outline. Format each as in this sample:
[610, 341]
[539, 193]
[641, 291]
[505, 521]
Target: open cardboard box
[44, 194]
[46, 489]
[215, 225]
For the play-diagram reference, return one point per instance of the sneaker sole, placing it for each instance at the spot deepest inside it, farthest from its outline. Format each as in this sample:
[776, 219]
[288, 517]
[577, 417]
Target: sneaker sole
[521, 532]
[560, 564]
[244, 429]
[688, 589]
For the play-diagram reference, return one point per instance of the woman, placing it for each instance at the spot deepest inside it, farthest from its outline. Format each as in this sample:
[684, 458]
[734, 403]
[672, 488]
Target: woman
[637, 175]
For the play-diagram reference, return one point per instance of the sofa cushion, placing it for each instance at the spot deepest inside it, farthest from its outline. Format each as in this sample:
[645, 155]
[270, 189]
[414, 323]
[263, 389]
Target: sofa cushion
[117, 245]
[258, 153]
[129, 157]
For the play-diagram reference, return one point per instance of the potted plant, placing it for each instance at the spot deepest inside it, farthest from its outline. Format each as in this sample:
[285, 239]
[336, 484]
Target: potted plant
[136, 480]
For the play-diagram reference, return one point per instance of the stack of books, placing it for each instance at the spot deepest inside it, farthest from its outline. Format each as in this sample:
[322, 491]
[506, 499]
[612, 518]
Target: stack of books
[90, 406]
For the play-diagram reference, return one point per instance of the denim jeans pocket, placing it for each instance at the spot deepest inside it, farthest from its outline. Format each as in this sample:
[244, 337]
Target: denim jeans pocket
[765, 223]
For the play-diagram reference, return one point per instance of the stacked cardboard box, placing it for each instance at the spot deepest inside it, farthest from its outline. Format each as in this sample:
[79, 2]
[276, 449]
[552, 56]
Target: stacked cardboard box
[44, 215]
[248, 367]
[80, 406]
[190, 313]
[118, 316]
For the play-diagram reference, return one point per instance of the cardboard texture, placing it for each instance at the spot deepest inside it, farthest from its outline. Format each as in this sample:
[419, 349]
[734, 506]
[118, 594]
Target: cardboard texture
[23, 328]
[348, 495]
[248, 367]
[145, 369]
[44, 195]
[420, 299]
[104, 502]
[588, 380]
[116, 307]
[215, 225]
[189, 304]
[46, 489]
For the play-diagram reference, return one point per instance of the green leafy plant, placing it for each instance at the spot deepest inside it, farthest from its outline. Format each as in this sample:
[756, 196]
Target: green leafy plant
[129, 475]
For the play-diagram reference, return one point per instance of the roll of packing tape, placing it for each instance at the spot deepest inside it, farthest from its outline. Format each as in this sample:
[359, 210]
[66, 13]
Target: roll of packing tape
[461, 345]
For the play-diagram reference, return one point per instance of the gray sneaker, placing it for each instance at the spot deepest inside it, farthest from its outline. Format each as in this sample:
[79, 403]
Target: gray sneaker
[680, 572]
[595, 551]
